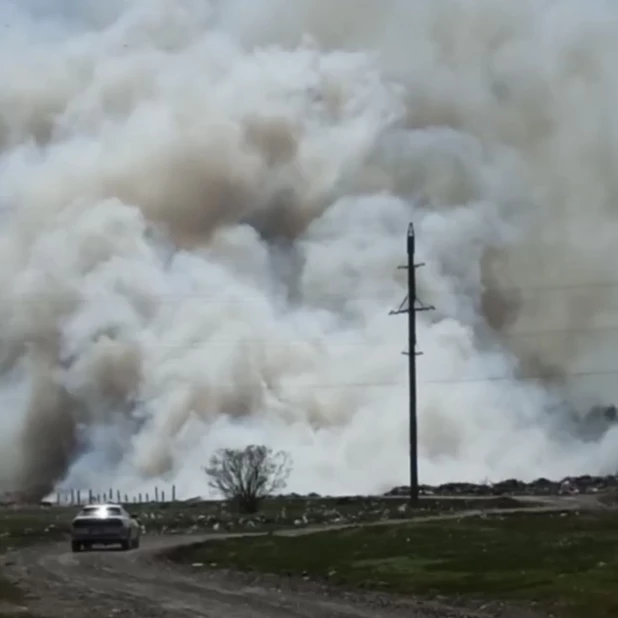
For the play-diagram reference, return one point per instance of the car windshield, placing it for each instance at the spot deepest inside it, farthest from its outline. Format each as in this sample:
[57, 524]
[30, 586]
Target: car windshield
[101, 511]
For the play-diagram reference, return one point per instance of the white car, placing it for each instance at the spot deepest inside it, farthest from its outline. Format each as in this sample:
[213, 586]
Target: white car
[104, 524]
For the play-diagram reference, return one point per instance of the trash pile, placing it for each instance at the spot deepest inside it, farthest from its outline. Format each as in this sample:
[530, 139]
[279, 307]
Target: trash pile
[289, 512]
[221, 517]
[512, 487]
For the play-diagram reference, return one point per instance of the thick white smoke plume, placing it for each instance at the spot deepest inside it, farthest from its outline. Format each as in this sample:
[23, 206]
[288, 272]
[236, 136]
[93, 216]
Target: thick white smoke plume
[204, 205]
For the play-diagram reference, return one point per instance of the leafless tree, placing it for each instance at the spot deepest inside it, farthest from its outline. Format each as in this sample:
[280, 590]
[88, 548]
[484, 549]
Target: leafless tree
[246, 476]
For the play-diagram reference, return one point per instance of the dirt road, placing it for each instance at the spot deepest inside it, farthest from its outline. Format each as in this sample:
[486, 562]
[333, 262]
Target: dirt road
[100, 584]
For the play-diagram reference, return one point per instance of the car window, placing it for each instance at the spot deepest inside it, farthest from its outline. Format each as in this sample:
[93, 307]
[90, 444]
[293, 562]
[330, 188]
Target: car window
[101, 511]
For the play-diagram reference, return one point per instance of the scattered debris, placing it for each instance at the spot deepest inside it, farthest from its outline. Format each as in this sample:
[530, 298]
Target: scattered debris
[539, 487]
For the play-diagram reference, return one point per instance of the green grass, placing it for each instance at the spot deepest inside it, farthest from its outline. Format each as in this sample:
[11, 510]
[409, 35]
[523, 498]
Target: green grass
[564, 561]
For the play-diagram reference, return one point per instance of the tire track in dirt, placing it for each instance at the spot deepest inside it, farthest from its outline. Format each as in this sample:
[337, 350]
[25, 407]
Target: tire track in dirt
[61, 584]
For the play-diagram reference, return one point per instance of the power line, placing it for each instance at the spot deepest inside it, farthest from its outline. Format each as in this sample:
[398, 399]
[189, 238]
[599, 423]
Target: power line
[467, 380]
[559, 331]
[234, 341]
[523, 378]
[317, 386]
[473, 380]
[550, 287]
[447, 381]
[216, 297]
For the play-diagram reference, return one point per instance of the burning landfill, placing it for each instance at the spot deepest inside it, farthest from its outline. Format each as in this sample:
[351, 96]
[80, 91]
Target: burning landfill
[204, 205]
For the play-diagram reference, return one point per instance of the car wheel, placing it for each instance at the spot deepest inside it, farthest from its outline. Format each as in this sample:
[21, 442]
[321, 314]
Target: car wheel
[136, 543]
[75, 546]
[125, 545]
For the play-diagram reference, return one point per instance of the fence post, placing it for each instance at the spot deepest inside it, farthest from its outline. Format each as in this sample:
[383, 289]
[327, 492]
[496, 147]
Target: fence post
[173, 493]
[162, 496]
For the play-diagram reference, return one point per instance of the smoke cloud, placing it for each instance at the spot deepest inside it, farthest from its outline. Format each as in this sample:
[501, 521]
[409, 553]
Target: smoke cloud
[204, 204]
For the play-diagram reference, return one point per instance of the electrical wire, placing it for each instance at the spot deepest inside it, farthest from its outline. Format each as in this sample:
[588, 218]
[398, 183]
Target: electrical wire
[565, 333]
[217, 297]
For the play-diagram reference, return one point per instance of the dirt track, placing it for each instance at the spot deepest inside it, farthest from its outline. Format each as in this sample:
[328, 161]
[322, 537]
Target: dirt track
[138, 583]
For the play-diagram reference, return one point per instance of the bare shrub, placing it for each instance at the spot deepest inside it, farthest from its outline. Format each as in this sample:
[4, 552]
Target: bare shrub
[246, 476]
